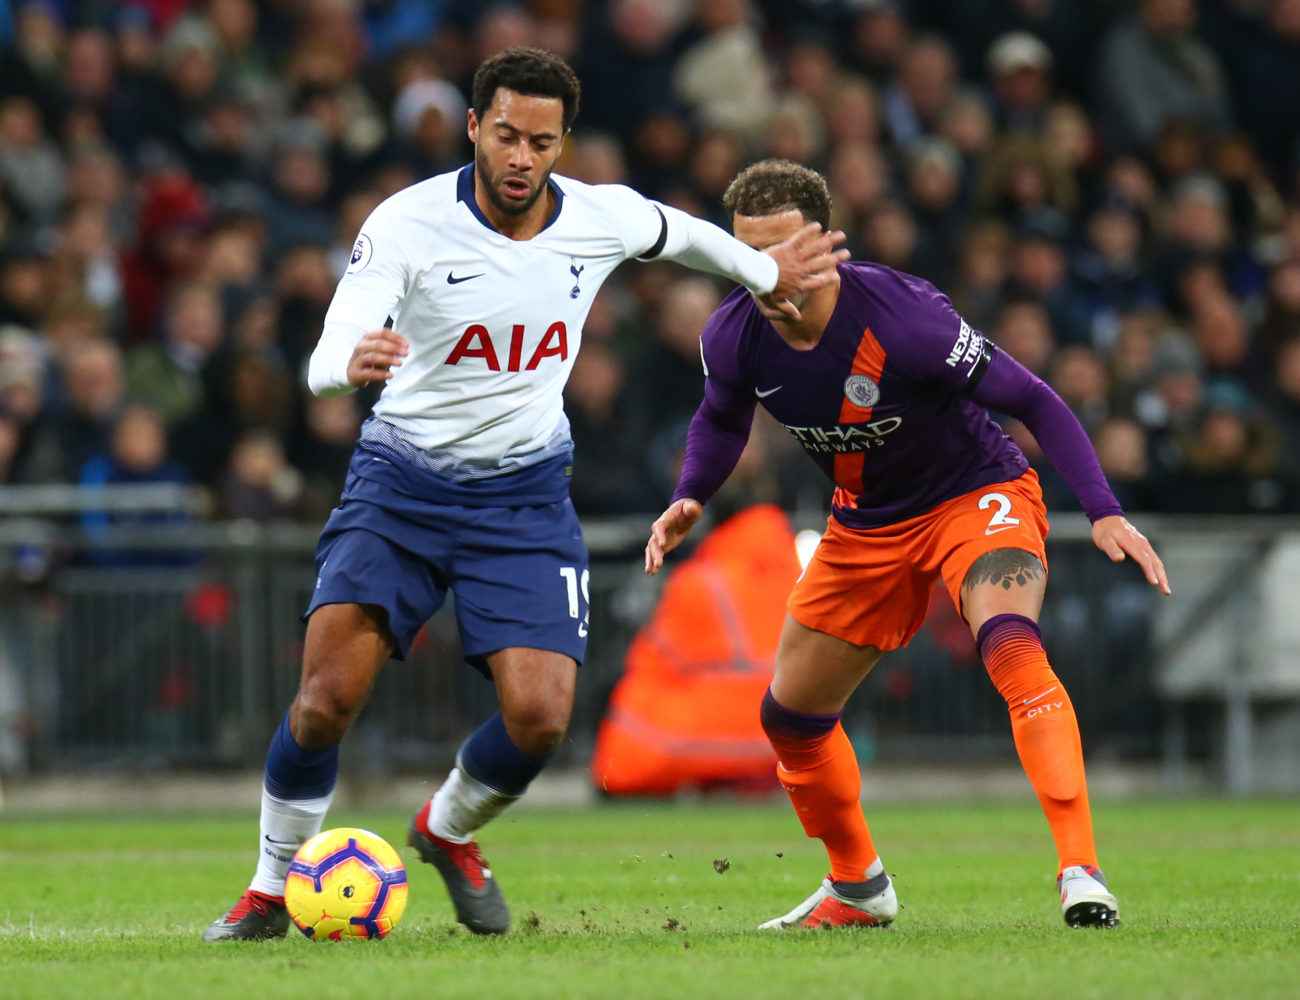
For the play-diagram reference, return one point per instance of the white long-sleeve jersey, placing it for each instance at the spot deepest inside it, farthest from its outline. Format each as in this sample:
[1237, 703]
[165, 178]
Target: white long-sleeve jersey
[494, 324]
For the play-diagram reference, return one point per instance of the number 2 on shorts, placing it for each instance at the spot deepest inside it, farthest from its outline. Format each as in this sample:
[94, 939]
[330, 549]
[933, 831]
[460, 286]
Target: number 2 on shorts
[999, 521]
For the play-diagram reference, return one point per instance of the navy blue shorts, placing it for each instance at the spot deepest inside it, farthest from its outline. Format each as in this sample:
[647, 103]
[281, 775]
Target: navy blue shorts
[519, 573]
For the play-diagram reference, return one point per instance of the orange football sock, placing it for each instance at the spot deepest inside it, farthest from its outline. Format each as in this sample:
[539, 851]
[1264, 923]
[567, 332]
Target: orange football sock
[1045, 729]
[819, 771]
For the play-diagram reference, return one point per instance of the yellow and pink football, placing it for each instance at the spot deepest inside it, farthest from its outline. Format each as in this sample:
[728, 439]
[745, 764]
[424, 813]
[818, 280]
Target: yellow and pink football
[346, 884]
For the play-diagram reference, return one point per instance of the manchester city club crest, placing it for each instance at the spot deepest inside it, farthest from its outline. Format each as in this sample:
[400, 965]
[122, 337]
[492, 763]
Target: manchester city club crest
[861, 391]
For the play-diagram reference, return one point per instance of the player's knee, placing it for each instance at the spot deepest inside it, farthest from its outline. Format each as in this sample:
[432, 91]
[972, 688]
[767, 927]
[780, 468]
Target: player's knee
[321, 716]
[539, 731]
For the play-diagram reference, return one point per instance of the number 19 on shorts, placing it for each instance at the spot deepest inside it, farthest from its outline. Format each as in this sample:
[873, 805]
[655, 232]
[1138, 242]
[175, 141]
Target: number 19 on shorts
[572, 583]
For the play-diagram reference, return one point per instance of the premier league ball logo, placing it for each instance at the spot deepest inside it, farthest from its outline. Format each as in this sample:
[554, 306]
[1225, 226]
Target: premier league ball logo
[861, 391]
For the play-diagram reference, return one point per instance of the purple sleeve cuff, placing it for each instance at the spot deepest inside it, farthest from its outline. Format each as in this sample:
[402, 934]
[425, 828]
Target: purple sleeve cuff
[1008, 387]
[714, 442]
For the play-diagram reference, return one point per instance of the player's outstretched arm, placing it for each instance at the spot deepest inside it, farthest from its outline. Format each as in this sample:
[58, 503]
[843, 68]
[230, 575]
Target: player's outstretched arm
[1119, 540]
[670, 530]
[1008, 387]
[799, 264]
[806, 262]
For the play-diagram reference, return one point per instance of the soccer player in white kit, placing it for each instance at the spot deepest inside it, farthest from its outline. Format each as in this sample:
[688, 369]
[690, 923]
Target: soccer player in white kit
[465, 296]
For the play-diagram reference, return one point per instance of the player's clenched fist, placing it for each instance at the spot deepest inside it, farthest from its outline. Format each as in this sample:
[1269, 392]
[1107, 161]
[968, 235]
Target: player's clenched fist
[667, 533]
[375, 357]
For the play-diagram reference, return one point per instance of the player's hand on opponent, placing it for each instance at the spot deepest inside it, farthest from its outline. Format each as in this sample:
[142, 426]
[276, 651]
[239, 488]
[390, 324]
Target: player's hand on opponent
[375, 357]
[667, 533]
[1118, 539]
[807, 261]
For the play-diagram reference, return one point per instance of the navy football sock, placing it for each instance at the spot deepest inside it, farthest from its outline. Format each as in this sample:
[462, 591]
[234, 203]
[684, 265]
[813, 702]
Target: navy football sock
[295, 773]
[490, 756]
[296, 795]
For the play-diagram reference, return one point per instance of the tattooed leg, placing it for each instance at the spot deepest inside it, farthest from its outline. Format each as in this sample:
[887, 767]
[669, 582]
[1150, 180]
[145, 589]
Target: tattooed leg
[1001, 598]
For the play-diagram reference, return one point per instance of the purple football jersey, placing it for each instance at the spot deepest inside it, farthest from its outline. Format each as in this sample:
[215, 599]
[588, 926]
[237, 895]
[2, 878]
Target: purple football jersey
[882, 402]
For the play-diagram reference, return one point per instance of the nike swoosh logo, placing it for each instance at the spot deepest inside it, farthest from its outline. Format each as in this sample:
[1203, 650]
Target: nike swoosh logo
[281, 843]
[452, 280]
[1030, 701]
[764, 393]
[994, 531]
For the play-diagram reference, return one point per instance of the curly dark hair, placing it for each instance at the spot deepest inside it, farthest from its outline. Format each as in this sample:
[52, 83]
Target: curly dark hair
[529, 71]
[770, 187]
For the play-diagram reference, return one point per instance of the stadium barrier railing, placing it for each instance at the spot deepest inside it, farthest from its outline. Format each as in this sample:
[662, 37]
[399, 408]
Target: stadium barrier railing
[148, 638]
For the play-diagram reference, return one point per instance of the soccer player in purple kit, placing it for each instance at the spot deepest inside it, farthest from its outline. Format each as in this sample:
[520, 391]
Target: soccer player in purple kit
[888, 389]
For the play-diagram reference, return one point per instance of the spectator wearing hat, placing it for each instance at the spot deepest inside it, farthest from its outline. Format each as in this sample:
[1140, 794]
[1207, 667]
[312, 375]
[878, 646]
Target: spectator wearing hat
[429, 126]
[1067, 28]
[171, 243]
[1020, 78]
[221, 148]
[1170, 405]
[189, 72]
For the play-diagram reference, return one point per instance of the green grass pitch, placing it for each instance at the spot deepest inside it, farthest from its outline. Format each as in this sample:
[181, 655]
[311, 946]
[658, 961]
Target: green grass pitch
[654, 900]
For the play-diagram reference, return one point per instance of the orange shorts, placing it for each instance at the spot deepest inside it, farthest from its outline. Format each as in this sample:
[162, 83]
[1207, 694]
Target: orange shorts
[872, 586]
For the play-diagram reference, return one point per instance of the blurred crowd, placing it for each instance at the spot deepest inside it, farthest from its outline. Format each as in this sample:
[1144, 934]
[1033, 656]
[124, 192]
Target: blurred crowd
[1110, 190]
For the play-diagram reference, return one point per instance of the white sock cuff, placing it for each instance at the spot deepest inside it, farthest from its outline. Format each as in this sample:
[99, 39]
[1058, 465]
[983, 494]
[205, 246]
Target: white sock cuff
[462, 805]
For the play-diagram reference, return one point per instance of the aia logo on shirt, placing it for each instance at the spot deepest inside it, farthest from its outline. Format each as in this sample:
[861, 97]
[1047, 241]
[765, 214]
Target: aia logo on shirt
[477, 342]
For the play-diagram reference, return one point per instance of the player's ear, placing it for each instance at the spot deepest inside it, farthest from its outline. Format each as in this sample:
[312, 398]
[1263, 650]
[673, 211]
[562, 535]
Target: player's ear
[471, 126]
